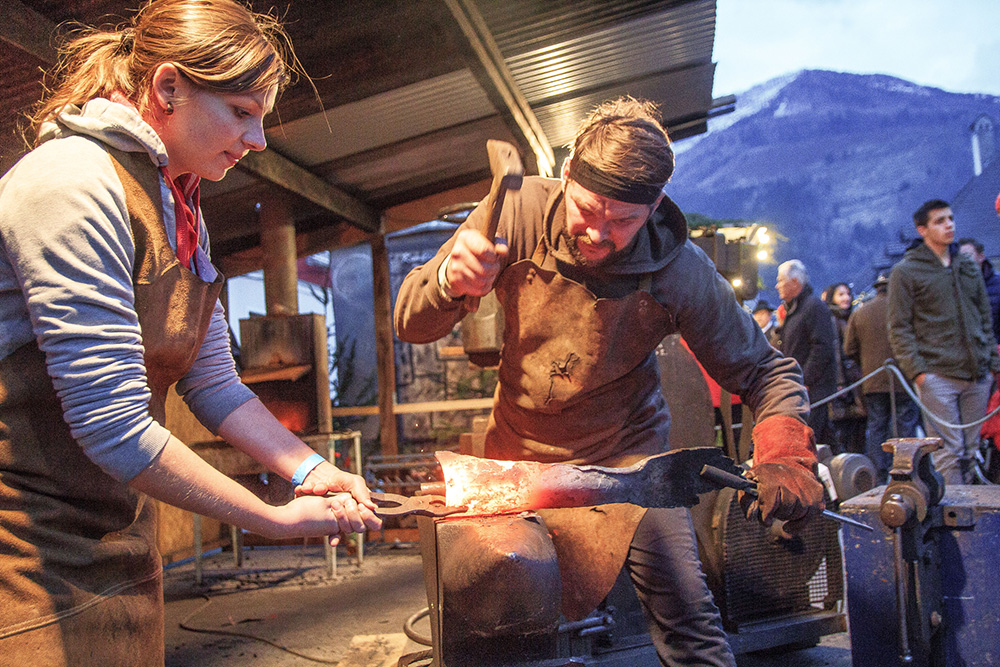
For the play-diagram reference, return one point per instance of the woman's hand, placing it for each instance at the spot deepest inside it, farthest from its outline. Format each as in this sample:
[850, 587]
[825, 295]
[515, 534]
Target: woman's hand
[310, 516]
[327, 478]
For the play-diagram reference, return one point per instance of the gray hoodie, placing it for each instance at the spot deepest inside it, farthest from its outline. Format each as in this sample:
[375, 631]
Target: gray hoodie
[66, 256]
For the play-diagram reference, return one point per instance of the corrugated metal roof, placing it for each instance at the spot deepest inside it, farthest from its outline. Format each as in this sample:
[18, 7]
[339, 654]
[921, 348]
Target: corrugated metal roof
[412, 96]
[383, 119]
[624, 51]
[522, 25]
[681, 94]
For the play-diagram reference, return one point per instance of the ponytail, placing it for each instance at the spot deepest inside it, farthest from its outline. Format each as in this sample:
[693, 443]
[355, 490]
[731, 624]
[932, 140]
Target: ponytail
[94, 64]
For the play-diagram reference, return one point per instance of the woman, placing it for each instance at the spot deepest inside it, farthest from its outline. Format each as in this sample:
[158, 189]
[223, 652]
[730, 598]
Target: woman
[107, 297]
[847, 412]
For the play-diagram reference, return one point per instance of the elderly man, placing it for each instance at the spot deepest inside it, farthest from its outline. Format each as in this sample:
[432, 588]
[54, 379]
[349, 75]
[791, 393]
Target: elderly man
[596, 270]
[941, 333]
[809, 337]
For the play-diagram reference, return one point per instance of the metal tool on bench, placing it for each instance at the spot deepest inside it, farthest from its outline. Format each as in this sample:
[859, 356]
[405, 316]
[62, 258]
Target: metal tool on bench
[734, 481]
[393, 504]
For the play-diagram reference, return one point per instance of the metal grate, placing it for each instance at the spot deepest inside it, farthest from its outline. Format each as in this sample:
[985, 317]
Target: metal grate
[402, 474]
[765, 577]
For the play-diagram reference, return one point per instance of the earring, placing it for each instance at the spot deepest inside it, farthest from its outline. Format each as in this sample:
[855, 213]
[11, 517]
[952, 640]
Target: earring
[170, 108]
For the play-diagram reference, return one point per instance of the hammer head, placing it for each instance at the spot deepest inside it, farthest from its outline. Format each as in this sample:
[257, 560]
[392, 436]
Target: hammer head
[505, 165]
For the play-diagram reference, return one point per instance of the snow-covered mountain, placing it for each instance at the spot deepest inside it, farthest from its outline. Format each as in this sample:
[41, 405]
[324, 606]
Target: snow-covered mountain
[835, 162]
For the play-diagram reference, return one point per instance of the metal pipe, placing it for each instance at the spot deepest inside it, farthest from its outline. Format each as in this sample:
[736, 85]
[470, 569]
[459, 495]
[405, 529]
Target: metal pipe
[590, 625]
[902, 595]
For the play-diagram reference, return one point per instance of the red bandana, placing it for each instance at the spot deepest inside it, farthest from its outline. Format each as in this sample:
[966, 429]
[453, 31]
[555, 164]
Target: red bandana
[187, 196]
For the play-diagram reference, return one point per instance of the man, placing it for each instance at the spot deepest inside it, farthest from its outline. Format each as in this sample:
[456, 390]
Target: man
[808, 336]
[976, 251]
[763, 315]
[941, 333]
[867, 341]
[597, 271]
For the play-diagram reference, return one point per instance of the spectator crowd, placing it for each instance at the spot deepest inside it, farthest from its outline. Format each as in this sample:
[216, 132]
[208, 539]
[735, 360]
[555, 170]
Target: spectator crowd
[936, 316]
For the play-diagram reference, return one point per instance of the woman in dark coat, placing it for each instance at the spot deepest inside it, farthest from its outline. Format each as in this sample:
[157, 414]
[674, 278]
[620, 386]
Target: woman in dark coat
[847, 412]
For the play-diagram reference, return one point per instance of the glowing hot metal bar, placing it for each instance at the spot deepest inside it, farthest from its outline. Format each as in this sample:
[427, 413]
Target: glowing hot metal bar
[488, 486]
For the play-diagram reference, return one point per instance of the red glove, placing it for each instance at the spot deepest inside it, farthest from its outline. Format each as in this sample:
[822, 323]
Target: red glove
[785, 471]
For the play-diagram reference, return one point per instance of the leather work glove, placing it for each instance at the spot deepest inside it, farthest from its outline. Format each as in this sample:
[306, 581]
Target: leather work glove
[785, 471]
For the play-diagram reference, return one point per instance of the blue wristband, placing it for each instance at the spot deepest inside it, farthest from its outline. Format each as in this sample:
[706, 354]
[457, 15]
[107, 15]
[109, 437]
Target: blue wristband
[305, 468]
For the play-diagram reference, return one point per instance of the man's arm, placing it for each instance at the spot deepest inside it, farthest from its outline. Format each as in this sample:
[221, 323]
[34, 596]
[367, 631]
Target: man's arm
[902, 337]
[822, 339]
[734, 351]
[424, 313]
[727, 341]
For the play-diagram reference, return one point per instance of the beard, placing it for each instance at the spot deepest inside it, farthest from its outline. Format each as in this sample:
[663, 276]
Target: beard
[573, 246]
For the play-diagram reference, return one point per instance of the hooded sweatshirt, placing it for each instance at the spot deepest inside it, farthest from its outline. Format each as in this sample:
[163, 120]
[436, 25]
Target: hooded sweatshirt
[66, 260]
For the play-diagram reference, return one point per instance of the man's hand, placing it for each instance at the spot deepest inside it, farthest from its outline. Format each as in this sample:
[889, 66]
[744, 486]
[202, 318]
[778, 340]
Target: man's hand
[789, 492]
[473, 264]
[785, 472]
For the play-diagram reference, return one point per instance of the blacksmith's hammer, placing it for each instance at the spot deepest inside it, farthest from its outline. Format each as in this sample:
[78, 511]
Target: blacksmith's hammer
[508, 173]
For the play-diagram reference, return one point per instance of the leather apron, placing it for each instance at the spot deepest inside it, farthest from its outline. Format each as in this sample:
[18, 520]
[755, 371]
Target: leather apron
[80, 575]
[579, 383]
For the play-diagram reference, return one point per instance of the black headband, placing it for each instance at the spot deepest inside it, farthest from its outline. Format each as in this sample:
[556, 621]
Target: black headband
[614, 187]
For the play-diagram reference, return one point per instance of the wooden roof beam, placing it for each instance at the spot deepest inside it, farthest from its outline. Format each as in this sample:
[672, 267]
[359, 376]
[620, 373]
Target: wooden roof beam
[28, 30]
[280, 170]
[499, 83]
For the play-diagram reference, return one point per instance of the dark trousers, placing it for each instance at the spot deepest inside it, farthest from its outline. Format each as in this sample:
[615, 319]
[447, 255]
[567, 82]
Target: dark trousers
[879, 428]
[683, 620]
[819, 422]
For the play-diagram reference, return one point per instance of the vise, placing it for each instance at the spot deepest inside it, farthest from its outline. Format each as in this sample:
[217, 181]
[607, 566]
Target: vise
[919, 588]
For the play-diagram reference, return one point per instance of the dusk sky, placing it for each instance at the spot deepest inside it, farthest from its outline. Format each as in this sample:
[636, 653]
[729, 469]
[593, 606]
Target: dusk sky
[953, 45]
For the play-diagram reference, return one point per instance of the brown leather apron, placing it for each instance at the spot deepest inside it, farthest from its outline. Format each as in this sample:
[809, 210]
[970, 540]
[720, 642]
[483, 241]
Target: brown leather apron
[579, 384]
[80, 576]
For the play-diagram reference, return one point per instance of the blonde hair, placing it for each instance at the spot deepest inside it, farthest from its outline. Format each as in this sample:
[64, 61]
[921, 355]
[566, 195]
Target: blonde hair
[220, 45]
[623, 137]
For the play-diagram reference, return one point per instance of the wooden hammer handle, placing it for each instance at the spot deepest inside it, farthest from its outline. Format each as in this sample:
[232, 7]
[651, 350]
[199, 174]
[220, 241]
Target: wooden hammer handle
[508, 173]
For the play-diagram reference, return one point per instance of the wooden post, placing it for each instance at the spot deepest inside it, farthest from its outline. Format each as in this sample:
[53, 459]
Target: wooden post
[384, 348]
[277, 244]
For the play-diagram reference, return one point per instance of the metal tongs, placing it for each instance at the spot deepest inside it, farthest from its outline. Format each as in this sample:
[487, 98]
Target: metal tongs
[723, 478]
[393, 504]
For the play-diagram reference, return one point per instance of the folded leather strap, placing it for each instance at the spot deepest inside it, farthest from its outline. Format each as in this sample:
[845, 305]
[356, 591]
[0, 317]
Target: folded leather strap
[785, 471]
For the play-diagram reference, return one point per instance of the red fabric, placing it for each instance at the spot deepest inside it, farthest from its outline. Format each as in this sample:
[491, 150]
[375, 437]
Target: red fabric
[991, 427]
[713, 387]
[998, 204]
[780, 313]
[187, 196]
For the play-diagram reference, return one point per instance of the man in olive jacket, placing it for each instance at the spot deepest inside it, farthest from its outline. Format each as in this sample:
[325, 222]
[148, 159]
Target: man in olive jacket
[941, 334]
